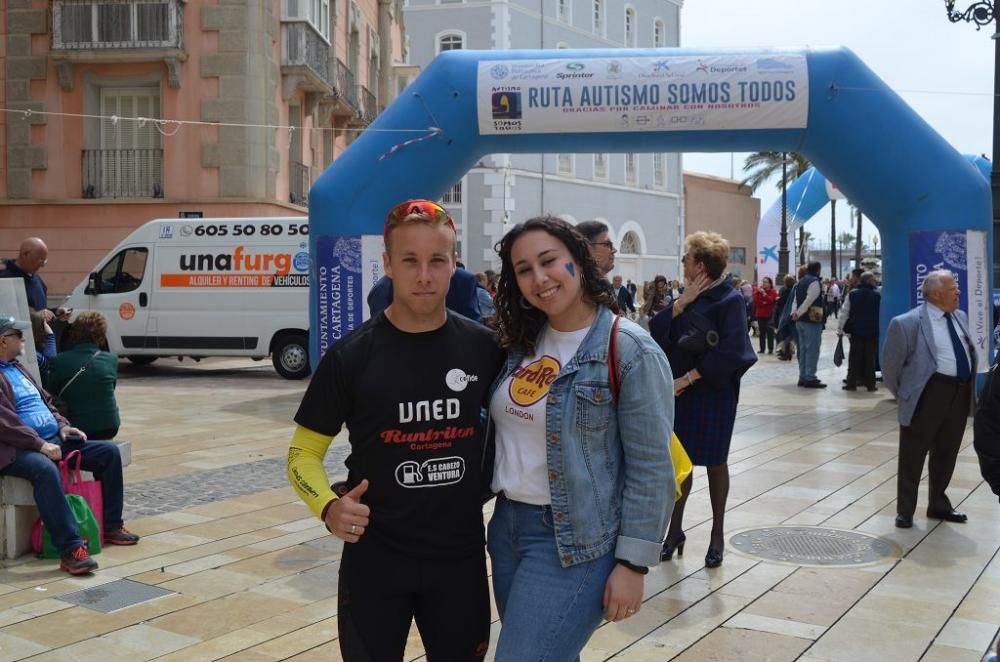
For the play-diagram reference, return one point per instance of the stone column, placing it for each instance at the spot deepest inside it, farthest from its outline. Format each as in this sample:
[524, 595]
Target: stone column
[21, 68]
[249, 77]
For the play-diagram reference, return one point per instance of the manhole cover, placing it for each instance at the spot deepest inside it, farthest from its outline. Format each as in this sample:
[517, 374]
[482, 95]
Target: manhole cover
[114, 596]
[808, 545]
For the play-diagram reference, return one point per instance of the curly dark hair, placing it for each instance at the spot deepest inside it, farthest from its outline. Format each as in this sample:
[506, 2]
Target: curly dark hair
[89, 327]
[519, 322]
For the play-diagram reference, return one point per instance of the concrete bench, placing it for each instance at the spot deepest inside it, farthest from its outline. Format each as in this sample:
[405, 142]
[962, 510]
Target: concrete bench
[18, 511]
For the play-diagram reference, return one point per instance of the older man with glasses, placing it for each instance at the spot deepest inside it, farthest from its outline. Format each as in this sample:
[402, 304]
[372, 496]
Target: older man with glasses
[33, 436]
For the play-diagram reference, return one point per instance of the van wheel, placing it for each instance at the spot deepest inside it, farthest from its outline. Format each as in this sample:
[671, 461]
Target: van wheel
[141, 359]
[291, 356]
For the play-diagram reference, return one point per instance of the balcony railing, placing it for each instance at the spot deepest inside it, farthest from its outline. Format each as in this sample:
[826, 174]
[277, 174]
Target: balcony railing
[117, 24]
[369, 107]
[123, 173]
[344, 85]
[298, 183]
[305, 48]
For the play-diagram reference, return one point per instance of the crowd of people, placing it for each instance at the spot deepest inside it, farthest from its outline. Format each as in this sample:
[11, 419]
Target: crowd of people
[553, 387]
[580, 388]
[35, 433]
[573, 444]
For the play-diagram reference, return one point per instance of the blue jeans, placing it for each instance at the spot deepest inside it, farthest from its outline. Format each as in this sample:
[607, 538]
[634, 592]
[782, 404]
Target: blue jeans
[548, 612]
[809, 339]
[100, 457]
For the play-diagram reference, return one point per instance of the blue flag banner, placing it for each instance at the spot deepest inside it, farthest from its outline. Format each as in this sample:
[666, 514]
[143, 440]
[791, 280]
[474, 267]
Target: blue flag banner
[345, 269]
[964, 254]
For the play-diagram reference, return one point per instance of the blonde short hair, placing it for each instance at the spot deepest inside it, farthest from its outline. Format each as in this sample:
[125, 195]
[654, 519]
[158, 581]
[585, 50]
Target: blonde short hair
[709, 248]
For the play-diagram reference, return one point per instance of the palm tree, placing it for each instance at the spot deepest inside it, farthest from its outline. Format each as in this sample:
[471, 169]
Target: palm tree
[761, 166]
[846, 240]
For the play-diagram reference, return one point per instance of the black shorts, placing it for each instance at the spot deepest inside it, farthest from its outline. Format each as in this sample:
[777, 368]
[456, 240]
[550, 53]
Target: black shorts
[381, 591]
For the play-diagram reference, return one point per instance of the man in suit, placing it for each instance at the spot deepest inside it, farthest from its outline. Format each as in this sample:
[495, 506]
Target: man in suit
[462, 297]
[625, 302]
[929, 364]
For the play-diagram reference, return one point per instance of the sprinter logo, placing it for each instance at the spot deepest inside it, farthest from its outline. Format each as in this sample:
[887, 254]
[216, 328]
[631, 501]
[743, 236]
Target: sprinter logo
[240, 269]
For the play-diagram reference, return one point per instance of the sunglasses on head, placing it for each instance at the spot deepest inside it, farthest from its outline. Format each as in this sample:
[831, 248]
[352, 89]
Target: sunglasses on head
[427, 210]
[14, 332]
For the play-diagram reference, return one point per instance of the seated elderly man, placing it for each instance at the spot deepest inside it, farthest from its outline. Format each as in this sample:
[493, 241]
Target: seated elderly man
[33, 436]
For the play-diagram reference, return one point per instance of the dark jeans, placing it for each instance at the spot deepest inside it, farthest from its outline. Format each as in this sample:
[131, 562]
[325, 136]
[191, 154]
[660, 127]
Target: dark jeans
[861, 362]
[102, 458]
[766, 333]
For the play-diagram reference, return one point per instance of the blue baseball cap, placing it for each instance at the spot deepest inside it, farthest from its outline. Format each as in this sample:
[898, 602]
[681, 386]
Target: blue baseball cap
[8, 322]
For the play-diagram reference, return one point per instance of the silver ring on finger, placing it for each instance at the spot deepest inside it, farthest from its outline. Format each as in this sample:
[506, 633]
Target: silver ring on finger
[629, 611]
[354, 529]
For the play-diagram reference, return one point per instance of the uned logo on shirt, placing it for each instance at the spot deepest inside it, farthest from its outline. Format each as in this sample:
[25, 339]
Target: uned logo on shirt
[530, 383]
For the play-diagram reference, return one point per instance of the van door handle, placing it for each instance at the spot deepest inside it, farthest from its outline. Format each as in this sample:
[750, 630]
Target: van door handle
[143, 299]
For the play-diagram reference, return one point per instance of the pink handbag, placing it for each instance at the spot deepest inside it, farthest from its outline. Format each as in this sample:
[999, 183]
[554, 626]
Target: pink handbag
[90, 490]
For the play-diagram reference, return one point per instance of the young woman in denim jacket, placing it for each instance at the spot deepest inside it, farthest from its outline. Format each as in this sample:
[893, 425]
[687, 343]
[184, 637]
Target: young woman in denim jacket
[584, 481]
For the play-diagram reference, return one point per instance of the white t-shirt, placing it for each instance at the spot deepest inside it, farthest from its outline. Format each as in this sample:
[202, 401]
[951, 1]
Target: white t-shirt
[518, 411]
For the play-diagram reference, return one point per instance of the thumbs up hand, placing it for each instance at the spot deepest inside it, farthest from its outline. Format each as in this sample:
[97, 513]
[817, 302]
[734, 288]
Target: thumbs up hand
[347, 517]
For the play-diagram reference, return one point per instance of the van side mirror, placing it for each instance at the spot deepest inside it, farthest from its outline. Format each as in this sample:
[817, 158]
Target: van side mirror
[92, 282]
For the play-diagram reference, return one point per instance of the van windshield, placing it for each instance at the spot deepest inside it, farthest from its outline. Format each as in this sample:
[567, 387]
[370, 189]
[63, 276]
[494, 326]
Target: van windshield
[124, 272]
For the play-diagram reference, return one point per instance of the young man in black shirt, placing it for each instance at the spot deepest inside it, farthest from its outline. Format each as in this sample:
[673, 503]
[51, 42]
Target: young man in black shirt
[410, 384]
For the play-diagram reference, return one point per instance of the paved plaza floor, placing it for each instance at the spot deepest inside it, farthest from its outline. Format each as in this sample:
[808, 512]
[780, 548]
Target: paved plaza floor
[253, 576]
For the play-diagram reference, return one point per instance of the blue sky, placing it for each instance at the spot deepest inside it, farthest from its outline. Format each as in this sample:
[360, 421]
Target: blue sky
[943, 70]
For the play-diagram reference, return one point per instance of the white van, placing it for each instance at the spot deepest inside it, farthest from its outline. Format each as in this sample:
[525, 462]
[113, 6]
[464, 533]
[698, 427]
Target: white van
[206, 287]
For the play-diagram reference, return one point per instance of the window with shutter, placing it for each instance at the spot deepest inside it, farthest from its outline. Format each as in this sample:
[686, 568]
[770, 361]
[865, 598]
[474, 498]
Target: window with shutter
[114, 24]
[129, 163]
[601, 166]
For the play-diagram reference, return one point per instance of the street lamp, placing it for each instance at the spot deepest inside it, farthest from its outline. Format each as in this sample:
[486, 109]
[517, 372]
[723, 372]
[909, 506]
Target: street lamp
[783, 243]
[983, 13]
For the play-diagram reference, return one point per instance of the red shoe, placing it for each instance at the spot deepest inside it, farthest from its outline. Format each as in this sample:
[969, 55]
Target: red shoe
[79, 562]
[120, 536]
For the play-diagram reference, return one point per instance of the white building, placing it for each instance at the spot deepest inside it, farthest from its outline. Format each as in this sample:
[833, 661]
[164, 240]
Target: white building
[637, 195]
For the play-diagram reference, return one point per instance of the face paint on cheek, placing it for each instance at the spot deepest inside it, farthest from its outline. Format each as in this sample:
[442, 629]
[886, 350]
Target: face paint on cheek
[571, 268]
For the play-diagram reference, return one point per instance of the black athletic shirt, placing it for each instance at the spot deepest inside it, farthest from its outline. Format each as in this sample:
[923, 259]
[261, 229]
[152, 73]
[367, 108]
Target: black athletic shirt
[413, 404]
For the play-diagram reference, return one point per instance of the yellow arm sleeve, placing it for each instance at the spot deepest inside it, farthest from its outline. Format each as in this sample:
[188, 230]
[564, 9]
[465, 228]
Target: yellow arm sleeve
[305, 469]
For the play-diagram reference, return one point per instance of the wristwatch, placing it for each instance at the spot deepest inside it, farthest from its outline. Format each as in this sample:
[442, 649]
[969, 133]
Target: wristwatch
[641, 569]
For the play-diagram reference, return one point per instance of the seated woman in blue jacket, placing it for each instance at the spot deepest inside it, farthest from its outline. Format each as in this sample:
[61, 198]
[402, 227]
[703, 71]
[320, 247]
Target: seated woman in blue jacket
[704, 334]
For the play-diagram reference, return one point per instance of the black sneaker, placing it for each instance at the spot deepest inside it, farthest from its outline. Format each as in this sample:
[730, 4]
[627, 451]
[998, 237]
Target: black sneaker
[120, 536]
[78, 562]
[813, 384]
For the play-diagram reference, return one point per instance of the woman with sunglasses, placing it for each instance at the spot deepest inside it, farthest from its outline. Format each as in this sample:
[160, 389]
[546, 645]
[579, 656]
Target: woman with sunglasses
[583, 474]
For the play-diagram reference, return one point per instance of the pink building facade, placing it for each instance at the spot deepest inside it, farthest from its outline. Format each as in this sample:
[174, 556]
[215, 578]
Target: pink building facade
[280, 88]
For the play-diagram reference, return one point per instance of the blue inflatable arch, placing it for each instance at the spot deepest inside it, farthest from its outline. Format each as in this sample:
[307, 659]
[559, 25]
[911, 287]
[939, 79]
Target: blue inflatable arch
[856, 130]
[806, 196]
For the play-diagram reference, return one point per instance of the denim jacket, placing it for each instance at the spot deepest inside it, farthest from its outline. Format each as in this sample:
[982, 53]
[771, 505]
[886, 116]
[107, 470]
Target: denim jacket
[610, 475]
